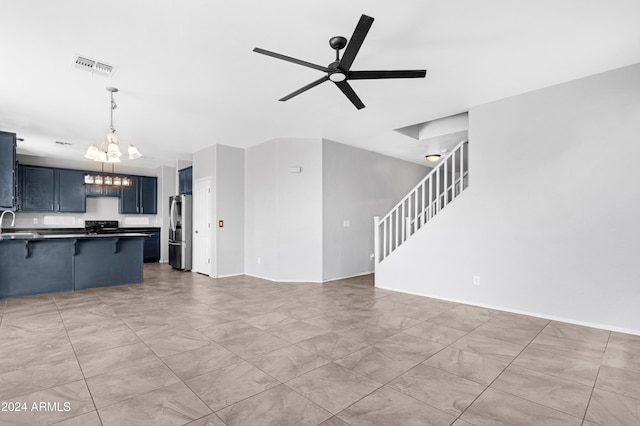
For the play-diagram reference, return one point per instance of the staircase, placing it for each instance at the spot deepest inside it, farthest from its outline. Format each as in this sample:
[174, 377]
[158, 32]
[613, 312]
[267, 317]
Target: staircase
[441, 186]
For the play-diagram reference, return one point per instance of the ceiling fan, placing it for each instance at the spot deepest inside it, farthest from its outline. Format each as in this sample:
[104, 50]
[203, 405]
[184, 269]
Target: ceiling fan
[339, 71]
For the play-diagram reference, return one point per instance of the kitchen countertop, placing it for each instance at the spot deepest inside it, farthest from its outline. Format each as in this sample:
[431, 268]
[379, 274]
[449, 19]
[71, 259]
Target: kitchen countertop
[46, 234]
[85, 235]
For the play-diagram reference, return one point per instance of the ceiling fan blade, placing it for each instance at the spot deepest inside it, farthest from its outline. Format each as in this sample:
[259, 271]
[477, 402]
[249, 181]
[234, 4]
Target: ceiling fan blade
[305, 88]
[370, 75]
[348, 91]
[356, 41]
[290, 59]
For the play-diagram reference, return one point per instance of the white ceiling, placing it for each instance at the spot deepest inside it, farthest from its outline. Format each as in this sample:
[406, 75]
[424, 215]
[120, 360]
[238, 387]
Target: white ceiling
[188, 77]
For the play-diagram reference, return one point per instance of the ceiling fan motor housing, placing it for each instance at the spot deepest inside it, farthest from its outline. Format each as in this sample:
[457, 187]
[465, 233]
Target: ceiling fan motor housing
[335, 73]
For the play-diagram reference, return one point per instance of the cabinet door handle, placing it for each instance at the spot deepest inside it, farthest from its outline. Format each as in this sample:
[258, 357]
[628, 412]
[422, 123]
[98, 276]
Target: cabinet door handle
[142, 209]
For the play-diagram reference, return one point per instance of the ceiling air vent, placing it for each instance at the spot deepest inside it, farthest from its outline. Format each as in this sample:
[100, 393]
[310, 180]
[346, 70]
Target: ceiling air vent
[93, 66]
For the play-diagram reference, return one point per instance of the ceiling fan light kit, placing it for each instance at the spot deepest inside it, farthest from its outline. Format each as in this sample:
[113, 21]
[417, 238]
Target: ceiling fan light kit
[339, 71]
[112, 152]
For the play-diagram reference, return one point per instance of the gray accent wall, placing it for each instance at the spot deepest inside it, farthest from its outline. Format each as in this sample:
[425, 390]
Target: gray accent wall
[550, 221]
[358, 185]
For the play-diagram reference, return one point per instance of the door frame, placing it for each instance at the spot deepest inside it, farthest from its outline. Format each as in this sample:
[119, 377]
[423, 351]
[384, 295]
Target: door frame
[209, 229]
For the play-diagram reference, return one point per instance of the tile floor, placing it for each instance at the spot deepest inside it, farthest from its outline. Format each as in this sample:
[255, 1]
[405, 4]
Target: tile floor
[182, 348]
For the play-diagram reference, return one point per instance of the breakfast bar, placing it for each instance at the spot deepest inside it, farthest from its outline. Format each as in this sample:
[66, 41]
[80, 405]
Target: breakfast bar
[33, 263]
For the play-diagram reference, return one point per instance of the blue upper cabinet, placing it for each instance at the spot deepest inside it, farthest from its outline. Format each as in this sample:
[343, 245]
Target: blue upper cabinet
[141, 197]
[45, 189]
[148, 195]
[129, 198]
[7, 171]
[185, 181]
[37, 189]
[70, 191]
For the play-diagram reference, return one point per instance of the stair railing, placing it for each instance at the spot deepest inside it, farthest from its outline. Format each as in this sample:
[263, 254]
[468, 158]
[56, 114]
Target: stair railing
[442, 185]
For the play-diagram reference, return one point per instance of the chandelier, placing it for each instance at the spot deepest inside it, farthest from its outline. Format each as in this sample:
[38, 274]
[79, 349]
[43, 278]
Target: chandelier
[109, 152]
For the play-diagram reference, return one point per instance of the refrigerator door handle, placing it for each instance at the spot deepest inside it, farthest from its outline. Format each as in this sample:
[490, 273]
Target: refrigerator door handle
[171, 213]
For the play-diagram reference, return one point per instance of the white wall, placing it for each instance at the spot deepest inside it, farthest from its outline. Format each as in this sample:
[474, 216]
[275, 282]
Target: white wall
[229, 192]
[283, 216]
[550, 219]
[358, 185]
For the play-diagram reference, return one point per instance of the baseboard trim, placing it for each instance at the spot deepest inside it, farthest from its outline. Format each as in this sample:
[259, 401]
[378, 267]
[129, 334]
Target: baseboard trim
[307, 281]
[349, 276]
[227, 276]
[521, 312]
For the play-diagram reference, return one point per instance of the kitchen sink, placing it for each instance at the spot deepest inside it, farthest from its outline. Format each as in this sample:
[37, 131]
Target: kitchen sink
[18, 235]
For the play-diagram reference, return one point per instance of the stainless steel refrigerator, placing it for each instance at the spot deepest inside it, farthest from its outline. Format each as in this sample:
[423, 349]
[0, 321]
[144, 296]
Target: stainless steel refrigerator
[180, 219]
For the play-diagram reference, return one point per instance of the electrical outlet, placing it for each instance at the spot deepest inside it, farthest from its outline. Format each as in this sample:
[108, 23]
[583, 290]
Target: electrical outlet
[35, 220]
[346, 223]
[371, 256]
[476, 280]
[259, 261]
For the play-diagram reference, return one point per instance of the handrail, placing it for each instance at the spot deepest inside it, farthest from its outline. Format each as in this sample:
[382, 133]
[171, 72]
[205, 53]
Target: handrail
[441, 186]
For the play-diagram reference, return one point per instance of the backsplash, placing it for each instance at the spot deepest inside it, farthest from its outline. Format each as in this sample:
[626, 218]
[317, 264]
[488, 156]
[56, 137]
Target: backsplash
[98, 208]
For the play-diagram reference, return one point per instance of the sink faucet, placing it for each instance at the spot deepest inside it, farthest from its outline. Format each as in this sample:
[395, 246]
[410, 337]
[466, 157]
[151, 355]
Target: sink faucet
[13, 222]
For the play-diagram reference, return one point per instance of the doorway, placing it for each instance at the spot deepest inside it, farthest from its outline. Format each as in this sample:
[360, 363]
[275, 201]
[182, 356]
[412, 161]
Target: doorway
[202, 256]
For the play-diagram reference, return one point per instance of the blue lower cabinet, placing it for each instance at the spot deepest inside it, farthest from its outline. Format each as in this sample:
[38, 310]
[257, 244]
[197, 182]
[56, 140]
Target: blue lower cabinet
[103, 262]
[35, 266]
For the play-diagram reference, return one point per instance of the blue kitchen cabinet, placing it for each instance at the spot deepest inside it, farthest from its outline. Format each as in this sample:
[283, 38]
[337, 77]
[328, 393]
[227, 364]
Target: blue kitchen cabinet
[129, 198]
[46, 189]
[70, 191]
[141, 197]
[37, 189]
[7, 171]
[148, 195]
[185, 181]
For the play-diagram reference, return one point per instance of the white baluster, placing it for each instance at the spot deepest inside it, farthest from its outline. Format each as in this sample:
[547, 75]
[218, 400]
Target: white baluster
[376, 240]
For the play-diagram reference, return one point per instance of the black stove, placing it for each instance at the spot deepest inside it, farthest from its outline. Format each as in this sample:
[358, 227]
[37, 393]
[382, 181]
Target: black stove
[101, 226]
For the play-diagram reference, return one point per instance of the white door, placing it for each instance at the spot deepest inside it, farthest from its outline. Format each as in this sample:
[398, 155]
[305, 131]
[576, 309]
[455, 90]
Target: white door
[201, 256]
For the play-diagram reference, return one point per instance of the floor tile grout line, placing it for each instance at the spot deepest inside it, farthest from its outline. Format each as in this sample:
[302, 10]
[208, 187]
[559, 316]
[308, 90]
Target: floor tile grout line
[554, 375]
[117, 402]
[78, 362]
[584, 417]
[162, 361]
[496, 378]
[4, 306]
